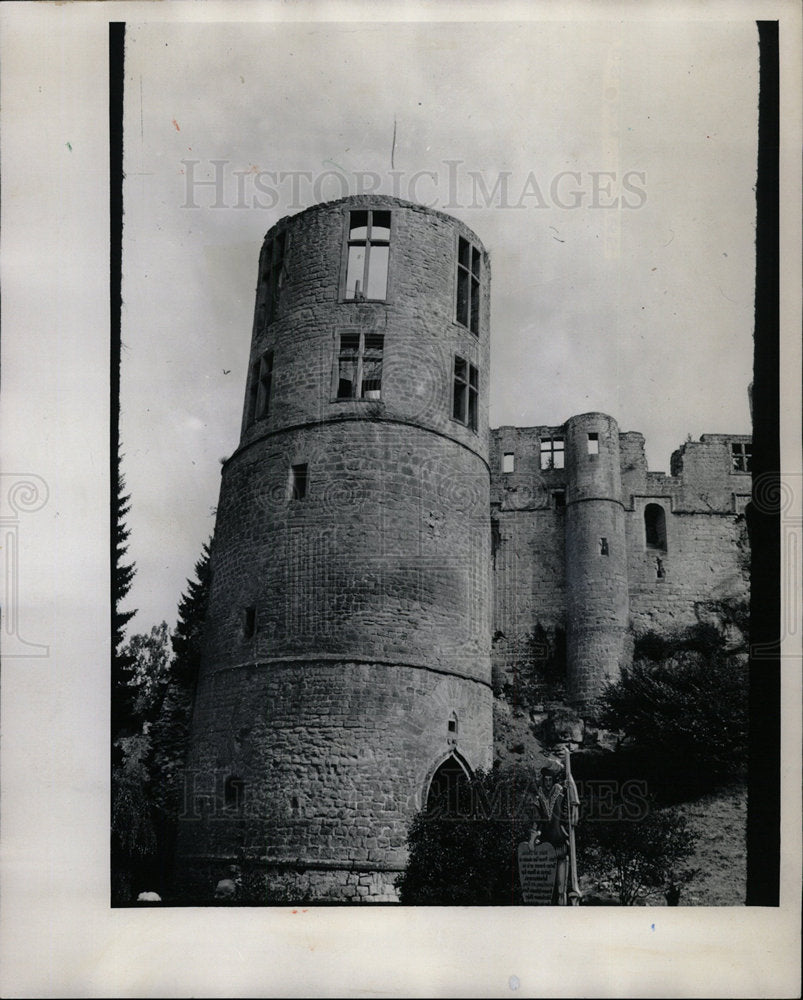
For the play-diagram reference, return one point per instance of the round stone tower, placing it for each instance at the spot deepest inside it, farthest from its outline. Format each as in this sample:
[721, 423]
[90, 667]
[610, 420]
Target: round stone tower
[347, 659]
[597, 605]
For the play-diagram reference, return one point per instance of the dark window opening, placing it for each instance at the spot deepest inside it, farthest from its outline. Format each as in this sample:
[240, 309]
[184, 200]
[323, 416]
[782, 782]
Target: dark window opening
[368, 255]
[452, 725]
[468, 285]
[260, 390]
[294, 804]
[359, 373]
[233, 793]
[271, 276]
[249, 622]
[660, 572]
[559, 498]
[655, 526]
[466, 393]
[450, 791]
[298, 482]
[593, 444]
[508, 462]
[552, 453]
[603, 547]
[741, 456]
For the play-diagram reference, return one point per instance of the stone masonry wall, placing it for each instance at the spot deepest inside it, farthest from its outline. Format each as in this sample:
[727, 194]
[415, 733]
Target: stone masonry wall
[334, 759]
[707, 550]
[348, 627]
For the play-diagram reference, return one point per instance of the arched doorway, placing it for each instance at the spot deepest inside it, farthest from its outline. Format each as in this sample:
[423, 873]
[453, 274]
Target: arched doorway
[449, 791]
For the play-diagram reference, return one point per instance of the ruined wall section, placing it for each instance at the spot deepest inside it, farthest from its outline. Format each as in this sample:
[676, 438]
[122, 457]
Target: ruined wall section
[528, 544]
[702, 558]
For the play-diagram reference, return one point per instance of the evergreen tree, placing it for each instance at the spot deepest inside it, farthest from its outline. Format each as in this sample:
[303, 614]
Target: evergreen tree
[169, 734]
[122, 666]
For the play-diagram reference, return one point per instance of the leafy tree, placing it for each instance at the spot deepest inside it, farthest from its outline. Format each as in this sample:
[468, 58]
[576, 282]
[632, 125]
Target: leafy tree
[637, 859]
[133, 837]
[150, 657]
[689, 710]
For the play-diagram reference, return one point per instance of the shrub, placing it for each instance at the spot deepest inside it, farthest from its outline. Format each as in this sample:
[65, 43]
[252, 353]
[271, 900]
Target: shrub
[637, 859]
[689, 710]
[466, 855]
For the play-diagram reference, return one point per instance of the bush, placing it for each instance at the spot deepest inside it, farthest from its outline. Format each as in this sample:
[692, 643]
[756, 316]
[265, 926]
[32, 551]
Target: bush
[690, 710]
[466, 854]
[635, 860]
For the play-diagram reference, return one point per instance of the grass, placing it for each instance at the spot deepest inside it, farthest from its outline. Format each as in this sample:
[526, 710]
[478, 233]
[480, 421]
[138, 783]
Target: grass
[721, 854]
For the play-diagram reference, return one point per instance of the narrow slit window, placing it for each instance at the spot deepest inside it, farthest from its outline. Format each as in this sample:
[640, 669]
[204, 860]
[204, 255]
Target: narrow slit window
[552, 453]
[466, 393]
[249, 622]
[298, 482]
[603, 547]
[233, 793]
[452, 725]
[559, 499]
[469, 264]
[593, 444]
[368, 255]
[508, 462]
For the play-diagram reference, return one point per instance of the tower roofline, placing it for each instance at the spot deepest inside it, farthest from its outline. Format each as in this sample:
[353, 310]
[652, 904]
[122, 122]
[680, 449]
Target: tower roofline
[372, 200]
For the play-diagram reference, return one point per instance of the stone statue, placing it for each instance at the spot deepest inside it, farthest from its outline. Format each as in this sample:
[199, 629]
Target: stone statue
[551, 826]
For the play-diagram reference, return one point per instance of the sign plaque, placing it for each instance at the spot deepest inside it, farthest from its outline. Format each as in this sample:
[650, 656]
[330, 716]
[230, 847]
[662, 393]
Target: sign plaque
[537, 873]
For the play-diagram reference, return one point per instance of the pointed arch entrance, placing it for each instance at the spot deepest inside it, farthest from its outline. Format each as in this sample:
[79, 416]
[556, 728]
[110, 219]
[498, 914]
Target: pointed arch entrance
[448, 787]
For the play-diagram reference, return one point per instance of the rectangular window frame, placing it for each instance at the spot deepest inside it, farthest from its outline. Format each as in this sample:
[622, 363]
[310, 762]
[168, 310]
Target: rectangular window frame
[368, 243]
[468, 285]
[547, 453]
[271, 276]
[465, 393]
[298, 486]
[260, 388]
[741, 457]
[368, 356]
[508, 462]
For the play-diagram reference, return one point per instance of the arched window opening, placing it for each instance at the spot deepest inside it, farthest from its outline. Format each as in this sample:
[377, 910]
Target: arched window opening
[449, 792]
[655, 526]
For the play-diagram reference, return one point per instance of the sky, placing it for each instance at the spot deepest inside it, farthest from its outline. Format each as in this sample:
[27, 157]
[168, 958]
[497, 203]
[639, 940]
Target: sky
[607, 166]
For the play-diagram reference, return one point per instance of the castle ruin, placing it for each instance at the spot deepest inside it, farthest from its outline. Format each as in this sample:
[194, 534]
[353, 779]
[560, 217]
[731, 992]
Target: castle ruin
[377, 548]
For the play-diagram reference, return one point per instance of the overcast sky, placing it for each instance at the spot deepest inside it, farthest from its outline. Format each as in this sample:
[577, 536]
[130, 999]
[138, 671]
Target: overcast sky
[607, 167]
